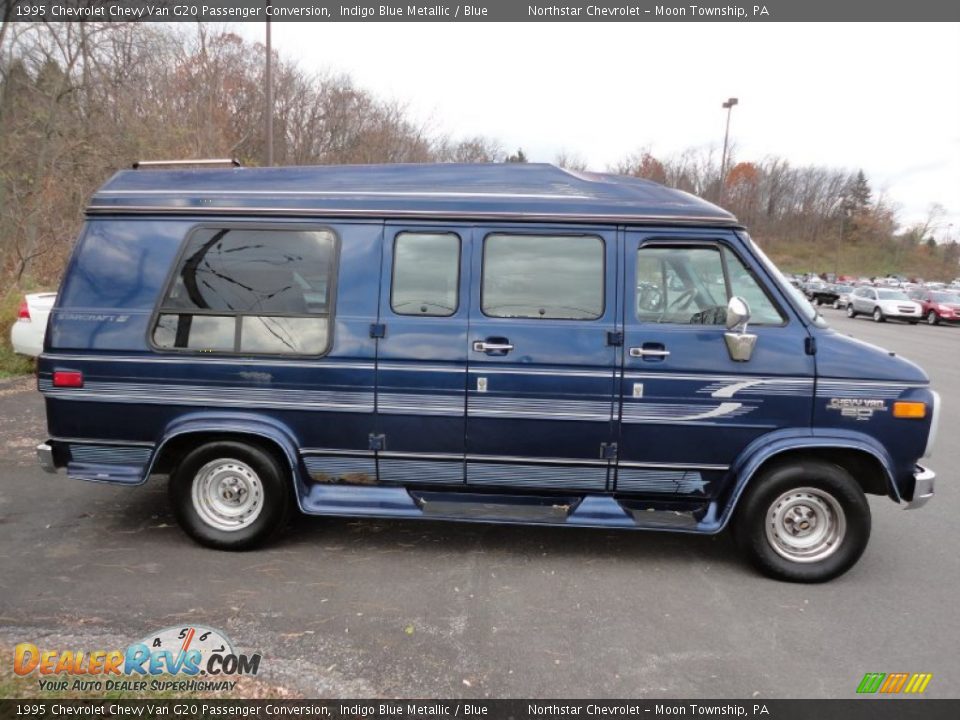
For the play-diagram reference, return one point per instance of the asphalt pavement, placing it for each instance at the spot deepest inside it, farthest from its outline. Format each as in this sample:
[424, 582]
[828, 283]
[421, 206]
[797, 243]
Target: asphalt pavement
[366, 608]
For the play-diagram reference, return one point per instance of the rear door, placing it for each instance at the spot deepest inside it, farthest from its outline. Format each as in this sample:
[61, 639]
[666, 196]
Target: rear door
[688, 409]
[422, 354]
[541, 367]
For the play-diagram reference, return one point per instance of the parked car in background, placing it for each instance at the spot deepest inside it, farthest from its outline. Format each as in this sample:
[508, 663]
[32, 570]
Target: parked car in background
[937, 305]
[883, 303]
[821, 293]
[843, 296]
[26, 335]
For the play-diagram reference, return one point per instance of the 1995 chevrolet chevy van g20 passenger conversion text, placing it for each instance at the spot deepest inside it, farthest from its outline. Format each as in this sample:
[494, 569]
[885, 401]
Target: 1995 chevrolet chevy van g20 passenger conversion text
[495, 343]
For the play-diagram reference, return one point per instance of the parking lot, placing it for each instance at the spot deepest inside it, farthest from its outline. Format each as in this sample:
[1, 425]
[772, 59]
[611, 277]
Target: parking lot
[378, 608]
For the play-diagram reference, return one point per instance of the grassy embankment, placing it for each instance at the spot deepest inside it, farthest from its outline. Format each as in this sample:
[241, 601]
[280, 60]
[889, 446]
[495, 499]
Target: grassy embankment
[11, 364]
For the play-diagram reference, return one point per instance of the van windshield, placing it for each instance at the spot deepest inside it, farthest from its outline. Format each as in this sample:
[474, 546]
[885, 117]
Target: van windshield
[800, 302]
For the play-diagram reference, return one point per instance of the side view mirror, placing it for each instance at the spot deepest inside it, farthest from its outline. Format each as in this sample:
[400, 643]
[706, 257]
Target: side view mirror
[738, 314]
[740, 343]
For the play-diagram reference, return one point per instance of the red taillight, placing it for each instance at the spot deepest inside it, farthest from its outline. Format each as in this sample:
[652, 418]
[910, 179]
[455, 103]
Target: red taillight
[67, 378]
[24, 312]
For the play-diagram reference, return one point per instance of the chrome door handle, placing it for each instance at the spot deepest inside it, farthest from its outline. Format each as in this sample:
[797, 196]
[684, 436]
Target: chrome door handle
[641, 352]
[483, 346]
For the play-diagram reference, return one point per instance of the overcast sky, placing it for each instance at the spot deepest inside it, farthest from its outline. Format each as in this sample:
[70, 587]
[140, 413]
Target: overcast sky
[881, 97]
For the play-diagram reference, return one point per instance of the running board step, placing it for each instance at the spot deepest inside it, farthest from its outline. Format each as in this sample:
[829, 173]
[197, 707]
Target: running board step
[575, 510]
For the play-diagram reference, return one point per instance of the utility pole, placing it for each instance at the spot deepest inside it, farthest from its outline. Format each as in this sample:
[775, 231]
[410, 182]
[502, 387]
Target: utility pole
[268, 79]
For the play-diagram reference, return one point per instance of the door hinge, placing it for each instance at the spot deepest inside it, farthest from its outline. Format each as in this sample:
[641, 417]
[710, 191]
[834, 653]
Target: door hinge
[615, 338]
[378, 330]
[608, 451]
[810, 345]
[378, 442]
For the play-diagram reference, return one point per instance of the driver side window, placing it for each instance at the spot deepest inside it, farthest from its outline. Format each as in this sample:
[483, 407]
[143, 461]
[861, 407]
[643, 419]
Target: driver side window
[686, 285]
[681, 285]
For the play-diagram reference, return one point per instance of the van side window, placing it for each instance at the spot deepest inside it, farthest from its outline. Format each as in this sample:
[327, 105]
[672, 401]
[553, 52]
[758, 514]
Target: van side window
[743, 284]
[692, 285]
[543, 277]
[426, 274]
[250, 291]
[681, 285]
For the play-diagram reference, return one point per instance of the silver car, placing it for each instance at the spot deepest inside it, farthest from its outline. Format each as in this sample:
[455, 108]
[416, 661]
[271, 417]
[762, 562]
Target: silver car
[843, 296]
[883, 303]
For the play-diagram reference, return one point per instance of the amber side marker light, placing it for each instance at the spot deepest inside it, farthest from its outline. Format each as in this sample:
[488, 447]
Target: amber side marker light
[915, 410]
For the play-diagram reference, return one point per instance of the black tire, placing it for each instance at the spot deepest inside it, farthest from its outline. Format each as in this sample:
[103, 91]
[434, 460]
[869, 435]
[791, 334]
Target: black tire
[836, 304]
[878, 315]
[933, 318]
[239, 463]
[750, 524]
[851, 313]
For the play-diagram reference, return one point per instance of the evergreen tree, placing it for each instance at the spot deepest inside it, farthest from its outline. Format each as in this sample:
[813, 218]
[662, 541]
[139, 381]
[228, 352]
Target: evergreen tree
[859, 192]
[518, 157]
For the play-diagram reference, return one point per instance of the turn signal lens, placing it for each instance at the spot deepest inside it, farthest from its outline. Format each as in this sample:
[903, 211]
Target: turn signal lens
[916, 410]
[67, 378]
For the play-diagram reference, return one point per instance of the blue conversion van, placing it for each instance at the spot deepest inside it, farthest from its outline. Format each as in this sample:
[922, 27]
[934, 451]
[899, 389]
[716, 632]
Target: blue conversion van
[490, 343]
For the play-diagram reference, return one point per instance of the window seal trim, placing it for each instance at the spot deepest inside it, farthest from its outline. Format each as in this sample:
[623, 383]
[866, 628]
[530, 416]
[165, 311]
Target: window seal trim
[516, 233]
[172, 273]
[393, 271]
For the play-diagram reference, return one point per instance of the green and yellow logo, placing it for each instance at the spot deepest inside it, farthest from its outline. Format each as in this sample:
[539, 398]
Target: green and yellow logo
[892, 683]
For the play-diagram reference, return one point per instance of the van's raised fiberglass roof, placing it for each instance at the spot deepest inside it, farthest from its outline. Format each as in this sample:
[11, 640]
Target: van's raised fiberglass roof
[502, 191]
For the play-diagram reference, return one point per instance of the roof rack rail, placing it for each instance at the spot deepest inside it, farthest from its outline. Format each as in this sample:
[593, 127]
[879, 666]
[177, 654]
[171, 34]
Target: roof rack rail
[179, 163]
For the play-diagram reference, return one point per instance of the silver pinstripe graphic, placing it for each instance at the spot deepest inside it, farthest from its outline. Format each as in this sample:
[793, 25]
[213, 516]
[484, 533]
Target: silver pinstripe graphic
[855, 389]
[660, 481]
[155, 393]
[109, 455]
[655, 412]
[420, 471]
[330, 469]
[532, 476]
[498, 406]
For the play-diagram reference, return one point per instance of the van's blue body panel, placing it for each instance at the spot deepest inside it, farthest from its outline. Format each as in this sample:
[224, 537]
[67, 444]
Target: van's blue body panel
[402, 418]
[465, 192]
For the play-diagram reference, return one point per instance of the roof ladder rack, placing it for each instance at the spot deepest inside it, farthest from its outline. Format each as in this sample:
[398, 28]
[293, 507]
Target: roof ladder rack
[232, 162]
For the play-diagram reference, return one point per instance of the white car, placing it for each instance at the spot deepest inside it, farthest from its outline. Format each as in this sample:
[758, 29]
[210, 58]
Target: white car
[27, 332]
[883, 303]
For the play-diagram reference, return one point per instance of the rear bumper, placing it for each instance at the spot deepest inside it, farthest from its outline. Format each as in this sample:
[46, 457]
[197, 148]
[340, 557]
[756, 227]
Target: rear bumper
[26, 339]
[922, 488]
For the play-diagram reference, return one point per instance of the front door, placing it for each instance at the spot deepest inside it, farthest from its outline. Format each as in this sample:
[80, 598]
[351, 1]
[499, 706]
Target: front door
[540, 387]
[688, 409]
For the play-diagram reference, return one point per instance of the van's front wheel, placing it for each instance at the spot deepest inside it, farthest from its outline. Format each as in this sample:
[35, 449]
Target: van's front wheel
[229, 495]
[804, 521]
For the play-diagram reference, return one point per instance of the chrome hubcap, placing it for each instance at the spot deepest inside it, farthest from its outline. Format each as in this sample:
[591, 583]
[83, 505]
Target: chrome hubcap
[806, 525]
[227, 494]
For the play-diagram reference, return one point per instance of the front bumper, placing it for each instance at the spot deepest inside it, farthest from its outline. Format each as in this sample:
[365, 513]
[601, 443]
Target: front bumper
[922, 488]
[45, 457]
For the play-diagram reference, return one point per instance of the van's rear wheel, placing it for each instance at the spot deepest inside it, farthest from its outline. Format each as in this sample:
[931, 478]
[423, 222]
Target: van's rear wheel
[230, 495]
[803, 521]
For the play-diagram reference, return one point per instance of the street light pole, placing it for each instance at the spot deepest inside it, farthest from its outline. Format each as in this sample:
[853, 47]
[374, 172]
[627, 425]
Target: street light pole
[268, 79]
[728, 106]
[844, 211]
